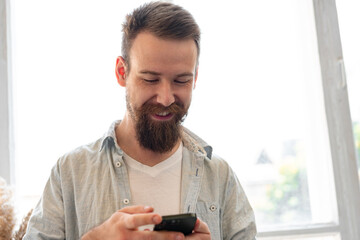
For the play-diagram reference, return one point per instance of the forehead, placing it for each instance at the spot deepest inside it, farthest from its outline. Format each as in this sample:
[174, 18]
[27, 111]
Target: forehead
[161, 54]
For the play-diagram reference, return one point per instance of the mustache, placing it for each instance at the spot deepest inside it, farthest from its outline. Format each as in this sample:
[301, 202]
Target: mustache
[174, 108]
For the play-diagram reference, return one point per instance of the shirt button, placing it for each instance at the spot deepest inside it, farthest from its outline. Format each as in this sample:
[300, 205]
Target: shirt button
[126, 201]
[118, 164]
[212, 208]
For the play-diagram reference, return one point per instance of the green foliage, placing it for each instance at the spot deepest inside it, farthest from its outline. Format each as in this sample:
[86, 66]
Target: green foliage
[288, 198]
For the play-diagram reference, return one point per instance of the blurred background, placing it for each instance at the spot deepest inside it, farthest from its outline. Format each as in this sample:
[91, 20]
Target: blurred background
[259, 99]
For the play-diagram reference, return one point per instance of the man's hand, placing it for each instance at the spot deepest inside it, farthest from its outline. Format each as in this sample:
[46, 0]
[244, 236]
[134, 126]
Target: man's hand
[124, 225]
[201, 231]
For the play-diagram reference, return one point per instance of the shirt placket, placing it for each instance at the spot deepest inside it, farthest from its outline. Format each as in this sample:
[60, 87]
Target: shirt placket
[123, 184]
[192, 173]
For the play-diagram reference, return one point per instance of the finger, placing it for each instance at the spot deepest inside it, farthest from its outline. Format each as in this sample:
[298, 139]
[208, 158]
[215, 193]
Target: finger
[198, 236]
[158, 235]
[136, 209]
[136, 220]
[201, 227]
[201, 232]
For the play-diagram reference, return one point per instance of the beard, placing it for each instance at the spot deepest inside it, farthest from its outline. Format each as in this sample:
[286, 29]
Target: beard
[157, 136]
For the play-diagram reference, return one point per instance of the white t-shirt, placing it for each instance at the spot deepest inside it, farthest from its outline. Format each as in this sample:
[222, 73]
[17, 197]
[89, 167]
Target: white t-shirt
[157, 186]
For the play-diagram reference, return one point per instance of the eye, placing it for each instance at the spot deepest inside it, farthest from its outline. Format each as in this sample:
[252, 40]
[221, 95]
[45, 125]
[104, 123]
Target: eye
[182, 81]
[151, 80]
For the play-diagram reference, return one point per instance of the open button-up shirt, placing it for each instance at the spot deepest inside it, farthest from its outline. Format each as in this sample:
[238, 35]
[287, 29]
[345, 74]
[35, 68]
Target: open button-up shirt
[90, 183]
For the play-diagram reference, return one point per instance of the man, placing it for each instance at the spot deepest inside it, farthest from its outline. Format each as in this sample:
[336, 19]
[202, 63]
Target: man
[147, 165]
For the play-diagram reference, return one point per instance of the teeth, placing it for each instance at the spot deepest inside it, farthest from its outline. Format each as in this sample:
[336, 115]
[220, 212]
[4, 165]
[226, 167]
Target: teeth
[163, 113]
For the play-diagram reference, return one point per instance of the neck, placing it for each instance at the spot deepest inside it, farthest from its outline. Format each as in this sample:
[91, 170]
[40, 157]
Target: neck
[126, 139]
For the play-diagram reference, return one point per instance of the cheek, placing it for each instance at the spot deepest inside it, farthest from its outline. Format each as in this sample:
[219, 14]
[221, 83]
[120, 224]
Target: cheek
[139, 96]
[185, 96]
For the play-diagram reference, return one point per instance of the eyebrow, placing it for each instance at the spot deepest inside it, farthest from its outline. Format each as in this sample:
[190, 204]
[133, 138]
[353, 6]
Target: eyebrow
[185, 74]
[150, 72]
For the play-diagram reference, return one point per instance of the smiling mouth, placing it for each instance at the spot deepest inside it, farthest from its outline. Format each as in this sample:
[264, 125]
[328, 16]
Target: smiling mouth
[163, 115]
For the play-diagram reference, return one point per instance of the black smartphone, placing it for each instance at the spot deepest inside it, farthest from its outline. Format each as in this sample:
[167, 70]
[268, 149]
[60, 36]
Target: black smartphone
[184, 223]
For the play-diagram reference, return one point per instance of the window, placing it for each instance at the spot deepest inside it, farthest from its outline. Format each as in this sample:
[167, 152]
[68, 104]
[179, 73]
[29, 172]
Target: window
[350, 37]
[259, 91]
[268, 118]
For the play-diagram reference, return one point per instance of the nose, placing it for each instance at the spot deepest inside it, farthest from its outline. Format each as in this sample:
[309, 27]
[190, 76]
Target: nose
[165, 95]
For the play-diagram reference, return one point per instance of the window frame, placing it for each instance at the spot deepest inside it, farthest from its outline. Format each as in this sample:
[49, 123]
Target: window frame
[338, 116]
[347, 187]
[7, 170]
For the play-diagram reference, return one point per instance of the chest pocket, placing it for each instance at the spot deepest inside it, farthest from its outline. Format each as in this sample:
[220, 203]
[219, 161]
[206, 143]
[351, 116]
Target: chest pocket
[211, 214]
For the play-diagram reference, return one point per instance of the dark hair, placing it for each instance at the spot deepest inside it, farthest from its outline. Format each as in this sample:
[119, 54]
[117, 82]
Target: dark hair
[163, 19]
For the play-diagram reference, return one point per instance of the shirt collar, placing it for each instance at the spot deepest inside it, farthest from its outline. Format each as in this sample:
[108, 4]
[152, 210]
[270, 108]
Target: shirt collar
[109, 138]
[195, 143]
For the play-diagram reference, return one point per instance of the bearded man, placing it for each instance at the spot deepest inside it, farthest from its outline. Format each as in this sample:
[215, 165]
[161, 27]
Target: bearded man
[147, 165]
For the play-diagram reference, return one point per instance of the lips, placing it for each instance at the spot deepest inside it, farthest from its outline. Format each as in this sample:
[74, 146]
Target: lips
[163, 115]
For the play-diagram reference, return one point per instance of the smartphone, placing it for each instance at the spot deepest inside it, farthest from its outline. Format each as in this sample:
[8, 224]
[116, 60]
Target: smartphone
[184, 223]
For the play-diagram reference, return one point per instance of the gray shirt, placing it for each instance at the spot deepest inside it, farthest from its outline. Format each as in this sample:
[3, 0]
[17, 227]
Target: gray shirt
[90, 183]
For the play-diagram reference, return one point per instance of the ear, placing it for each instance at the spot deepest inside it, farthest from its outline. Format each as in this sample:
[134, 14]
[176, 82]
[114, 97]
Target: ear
[196, 76]
[120, 71]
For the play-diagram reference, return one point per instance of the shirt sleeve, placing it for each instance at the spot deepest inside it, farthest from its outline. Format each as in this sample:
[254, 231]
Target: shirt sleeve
[47, 220]
[238, 218]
